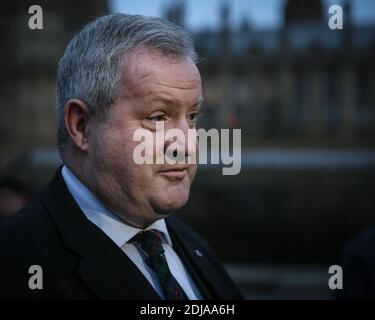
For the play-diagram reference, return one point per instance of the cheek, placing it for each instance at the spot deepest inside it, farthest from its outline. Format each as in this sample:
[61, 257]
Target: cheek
[111, 149]
[122, 149]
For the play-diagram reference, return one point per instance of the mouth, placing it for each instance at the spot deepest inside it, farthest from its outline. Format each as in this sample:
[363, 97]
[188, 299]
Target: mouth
[177, 172]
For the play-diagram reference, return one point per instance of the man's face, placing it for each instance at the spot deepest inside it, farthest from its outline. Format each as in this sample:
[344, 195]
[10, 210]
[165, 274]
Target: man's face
[155, 88]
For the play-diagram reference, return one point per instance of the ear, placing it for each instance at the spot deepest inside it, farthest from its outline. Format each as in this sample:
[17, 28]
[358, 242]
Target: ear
[77, 116]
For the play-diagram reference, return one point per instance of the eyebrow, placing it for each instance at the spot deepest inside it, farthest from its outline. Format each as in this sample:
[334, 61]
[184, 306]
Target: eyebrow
[198, 104]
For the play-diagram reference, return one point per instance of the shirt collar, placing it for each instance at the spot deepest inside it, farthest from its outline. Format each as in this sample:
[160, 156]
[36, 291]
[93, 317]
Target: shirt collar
[111, 224]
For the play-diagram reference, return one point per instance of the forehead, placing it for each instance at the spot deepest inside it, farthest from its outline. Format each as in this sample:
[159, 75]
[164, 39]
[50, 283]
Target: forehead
[147, 71]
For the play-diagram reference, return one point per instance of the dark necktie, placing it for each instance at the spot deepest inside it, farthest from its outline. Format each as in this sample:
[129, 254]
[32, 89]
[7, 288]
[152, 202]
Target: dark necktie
[151, 243]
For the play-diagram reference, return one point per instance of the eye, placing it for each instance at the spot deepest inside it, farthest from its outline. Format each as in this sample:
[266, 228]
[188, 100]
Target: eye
[159, 117]
[193, 116]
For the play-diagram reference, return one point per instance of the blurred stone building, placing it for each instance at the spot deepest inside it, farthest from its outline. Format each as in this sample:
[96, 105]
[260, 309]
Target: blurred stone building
[301, 85]
[28, 65]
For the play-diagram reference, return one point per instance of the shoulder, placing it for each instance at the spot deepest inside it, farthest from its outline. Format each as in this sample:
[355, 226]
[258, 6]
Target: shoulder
[358, 263]
[26, 239]
[28, 236]
[28, 226]
[363, 248]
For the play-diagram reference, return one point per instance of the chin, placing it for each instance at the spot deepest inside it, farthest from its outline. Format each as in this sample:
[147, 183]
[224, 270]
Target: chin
[168, 202]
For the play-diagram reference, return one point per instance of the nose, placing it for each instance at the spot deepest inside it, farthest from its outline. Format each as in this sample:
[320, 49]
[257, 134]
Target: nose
[183, 139]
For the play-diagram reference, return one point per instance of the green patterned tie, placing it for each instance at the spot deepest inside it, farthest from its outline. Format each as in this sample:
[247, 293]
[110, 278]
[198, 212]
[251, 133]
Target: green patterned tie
[150, 242]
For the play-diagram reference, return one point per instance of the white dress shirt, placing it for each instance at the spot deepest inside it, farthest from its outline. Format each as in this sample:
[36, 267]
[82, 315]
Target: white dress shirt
[120, 232]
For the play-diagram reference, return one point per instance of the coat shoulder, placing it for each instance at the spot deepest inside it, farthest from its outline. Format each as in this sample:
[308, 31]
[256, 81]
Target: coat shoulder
[28, 239]
[28, 227]
[358, 263]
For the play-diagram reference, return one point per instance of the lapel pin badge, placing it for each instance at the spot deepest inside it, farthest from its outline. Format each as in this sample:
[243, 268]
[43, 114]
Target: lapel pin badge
[198, 253]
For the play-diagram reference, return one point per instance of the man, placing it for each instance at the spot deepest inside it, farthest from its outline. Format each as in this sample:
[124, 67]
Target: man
[102, 228]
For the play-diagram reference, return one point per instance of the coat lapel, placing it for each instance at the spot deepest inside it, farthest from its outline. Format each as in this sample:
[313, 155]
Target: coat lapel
[103, 267]
[197, 261]
[192, 267]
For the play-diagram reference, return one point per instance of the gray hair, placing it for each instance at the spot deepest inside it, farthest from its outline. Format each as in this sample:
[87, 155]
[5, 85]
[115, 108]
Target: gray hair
[91, 67]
